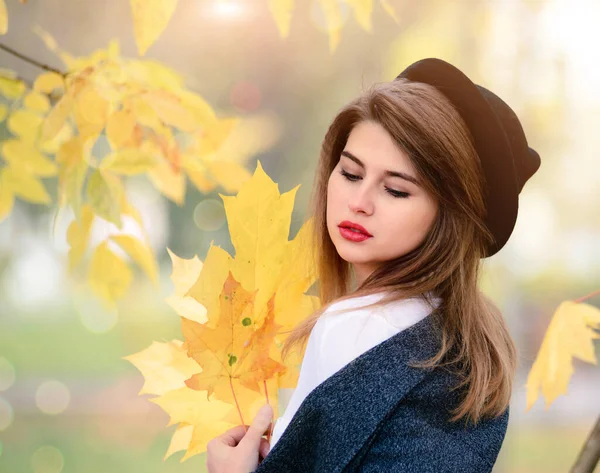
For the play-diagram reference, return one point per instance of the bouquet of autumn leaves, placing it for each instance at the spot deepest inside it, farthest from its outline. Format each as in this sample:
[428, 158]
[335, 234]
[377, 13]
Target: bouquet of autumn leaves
[235, 312]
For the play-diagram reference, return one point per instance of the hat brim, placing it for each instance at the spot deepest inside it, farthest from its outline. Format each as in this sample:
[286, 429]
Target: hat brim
[489, 139]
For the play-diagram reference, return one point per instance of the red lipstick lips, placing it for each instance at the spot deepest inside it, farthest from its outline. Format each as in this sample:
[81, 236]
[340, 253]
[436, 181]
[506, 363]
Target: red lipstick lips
[353, 231]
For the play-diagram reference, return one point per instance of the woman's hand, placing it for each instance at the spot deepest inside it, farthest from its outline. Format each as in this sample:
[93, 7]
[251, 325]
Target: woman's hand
[237, 451]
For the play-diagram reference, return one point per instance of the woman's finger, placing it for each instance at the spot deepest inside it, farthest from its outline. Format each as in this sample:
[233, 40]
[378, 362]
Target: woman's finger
[233, 436]
[259, 426]
[264, 448]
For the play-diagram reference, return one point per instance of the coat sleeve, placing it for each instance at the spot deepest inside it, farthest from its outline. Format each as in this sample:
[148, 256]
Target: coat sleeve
[417, 438]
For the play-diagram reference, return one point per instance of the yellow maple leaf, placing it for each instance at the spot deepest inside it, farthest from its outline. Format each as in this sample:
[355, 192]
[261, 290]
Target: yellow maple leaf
[149, 20]
[165, 367]
[184, 275]
[238, 343]
[192, 408]
[569, 335]
[234, 351]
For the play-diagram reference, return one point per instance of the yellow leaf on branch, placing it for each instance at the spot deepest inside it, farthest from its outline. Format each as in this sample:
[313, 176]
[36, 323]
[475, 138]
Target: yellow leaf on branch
[363, 10]
[78, 235]
[105, 194]
[140, 253]
[36, 102]
[11, 87]
[25, 185]
[108, 274]
[23, 155]
[169, 182]
[121, 130]
[48, 82]
[282, 12]
[25, 124]
[7, 197]
[3, 18]
[129, 161]
[570, 335]
[150, 18]
[57, 117]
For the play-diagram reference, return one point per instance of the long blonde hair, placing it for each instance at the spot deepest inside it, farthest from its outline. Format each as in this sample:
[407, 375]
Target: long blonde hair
[475, 340]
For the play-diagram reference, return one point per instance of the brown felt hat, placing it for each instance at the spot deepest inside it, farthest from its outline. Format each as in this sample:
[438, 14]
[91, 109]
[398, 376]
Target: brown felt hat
[507, 160]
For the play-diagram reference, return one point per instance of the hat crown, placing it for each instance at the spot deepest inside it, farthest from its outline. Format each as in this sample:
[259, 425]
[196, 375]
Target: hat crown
[506, 159]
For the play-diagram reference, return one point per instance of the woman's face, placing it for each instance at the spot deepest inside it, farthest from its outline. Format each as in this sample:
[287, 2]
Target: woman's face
[375, 185]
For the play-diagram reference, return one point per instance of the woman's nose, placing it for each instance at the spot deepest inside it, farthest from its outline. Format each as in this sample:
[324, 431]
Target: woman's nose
[361, 201]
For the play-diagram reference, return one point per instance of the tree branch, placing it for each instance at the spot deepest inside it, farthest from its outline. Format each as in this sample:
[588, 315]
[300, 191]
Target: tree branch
[30, 61]
[590, 453]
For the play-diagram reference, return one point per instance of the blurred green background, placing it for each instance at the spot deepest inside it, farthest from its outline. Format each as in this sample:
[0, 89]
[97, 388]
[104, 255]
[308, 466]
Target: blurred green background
[68, 401]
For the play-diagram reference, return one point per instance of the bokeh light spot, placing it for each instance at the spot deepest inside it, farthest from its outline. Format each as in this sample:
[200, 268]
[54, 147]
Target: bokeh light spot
[6, 414]
[7, 374]
[94, 316]
[52, 397]
[209, 215]
[47, 459]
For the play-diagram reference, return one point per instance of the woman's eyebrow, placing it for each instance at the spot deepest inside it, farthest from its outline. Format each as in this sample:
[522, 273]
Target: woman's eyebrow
[401, 175]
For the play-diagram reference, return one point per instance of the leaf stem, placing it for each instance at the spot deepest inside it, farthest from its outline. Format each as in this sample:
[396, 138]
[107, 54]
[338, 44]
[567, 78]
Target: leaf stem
[30, 61]
[237, 404]
[270, 432]
[589, 296]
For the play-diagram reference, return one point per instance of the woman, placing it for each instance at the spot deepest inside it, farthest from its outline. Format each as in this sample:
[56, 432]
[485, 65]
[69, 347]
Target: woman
[418, 180]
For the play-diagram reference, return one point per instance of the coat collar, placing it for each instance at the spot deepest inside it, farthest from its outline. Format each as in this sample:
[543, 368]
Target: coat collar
[334, 421]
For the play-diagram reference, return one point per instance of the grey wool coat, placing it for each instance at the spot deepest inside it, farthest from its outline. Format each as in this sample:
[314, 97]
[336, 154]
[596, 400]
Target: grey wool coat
[376, 414]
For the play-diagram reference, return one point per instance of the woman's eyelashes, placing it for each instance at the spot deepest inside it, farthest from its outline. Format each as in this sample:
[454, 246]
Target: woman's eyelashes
[392, 192]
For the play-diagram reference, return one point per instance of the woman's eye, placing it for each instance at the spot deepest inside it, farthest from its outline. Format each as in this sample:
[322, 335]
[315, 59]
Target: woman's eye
[392, 192]
[398, 194]
[350, 177]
